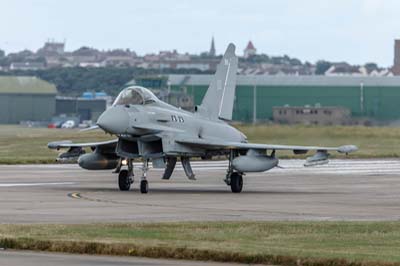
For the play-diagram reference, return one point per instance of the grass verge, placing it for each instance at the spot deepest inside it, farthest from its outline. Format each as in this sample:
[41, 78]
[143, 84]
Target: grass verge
[22, 145]
[279, 243]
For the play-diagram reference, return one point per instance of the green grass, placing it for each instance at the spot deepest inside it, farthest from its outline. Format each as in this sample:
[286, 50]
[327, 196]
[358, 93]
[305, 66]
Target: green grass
[29, 145]
[314, 243]
[373, 142]
[20, 145]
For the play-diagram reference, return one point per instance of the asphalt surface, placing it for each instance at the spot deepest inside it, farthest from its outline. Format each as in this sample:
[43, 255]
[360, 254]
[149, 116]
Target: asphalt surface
[24, 258]
[341, 190]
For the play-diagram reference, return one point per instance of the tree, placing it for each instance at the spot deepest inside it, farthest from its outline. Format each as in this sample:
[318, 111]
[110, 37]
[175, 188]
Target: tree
[371, 66]
[76, 80]
[295, 62]
[257, 58]
[322, 66]
[2, 53]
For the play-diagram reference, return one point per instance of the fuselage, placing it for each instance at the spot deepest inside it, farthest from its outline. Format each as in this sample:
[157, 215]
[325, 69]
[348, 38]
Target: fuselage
[156, 128]
[139, 120]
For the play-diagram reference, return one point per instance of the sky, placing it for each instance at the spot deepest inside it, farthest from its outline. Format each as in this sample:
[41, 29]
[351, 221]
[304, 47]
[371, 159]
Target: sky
[356, 31]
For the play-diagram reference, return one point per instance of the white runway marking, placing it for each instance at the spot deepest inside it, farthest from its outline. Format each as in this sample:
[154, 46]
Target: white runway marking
[334, 167]
[293, 166]
[35, 184]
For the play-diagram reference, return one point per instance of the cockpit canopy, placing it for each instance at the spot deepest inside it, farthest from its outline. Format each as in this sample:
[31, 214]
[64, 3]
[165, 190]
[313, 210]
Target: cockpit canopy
[135, 95]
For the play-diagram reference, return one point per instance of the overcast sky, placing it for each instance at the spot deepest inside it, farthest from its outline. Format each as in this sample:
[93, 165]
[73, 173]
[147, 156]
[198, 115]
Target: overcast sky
[356, 31]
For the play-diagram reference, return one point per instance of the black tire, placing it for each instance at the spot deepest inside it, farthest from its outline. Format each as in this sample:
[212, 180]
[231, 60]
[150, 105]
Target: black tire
[236, 182]
[124, 181]
[144, 186]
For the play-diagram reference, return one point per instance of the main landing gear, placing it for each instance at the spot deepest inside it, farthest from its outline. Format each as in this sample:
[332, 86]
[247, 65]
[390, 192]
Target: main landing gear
[124, 180]
[236, 182]
[125, 176]
[234, 179]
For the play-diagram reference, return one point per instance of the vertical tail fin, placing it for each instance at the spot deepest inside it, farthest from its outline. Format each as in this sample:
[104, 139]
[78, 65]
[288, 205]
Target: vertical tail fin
[218, 101]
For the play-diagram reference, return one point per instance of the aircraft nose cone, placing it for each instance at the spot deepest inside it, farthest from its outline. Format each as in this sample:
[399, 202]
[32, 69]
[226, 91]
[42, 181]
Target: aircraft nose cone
[114, 120]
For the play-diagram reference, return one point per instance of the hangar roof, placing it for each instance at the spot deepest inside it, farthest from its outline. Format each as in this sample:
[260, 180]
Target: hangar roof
[25, 85]
[264, 80]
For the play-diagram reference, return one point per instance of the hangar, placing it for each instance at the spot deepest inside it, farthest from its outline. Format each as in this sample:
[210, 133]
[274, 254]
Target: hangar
[373, 97]
[26, 99]
[85, 109]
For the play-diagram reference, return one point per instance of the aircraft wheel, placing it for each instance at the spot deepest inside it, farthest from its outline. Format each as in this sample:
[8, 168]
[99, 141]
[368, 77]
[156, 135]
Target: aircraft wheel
[236, 182]
[144, 186]
[124, 181]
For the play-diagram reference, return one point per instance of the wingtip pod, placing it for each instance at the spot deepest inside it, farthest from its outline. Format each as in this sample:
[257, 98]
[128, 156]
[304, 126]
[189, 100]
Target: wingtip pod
[347, 149]
[89, 128]
[56, 144]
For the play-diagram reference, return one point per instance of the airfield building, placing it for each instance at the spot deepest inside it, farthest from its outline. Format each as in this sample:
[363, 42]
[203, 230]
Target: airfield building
[26, 99]
[375, 98]
[313, 115]
[83, 108]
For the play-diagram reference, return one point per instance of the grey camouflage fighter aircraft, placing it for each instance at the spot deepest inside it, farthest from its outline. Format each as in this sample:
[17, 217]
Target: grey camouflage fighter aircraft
[151, 130]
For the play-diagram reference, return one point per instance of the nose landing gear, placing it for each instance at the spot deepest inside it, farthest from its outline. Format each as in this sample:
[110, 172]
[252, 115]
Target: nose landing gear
[125, 176]
[144, 185]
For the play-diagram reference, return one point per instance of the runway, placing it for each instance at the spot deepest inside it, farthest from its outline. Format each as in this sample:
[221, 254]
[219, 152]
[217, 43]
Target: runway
[341, 190]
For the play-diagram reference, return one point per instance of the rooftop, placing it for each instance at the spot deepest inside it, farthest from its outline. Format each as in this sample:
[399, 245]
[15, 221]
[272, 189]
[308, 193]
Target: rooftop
[250, 46]
[25, 85]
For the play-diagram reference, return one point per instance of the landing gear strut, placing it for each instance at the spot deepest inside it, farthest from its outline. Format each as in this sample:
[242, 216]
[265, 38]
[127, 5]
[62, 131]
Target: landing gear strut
[233, 179]
[144, 185]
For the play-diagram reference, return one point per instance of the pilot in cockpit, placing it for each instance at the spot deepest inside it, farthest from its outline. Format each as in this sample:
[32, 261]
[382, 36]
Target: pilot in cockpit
[135, 96]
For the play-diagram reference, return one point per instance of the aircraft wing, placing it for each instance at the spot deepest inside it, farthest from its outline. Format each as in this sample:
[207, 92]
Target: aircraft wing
[248, 146]
[65, 144]
[77, 149]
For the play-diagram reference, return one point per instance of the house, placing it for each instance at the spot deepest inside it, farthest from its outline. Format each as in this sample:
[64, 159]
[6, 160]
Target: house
[249, 50]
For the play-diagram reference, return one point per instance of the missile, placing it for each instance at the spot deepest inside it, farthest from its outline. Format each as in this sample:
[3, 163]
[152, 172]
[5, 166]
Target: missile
[320, 158]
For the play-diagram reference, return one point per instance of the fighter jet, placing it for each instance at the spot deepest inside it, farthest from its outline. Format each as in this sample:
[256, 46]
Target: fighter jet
[148, 129]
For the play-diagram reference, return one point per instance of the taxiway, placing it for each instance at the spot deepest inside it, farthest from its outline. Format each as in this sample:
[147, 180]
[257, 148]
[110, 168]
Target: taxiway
[341, 190]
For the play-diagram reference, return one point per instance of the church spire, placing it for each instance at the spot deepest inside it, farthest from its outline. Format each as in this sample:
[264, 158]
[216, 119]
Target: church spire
[212, 49]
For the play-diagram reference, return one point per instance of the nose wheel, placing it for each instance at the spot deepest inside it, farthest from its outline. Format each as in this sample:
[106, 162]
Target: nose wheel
[144, 186]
